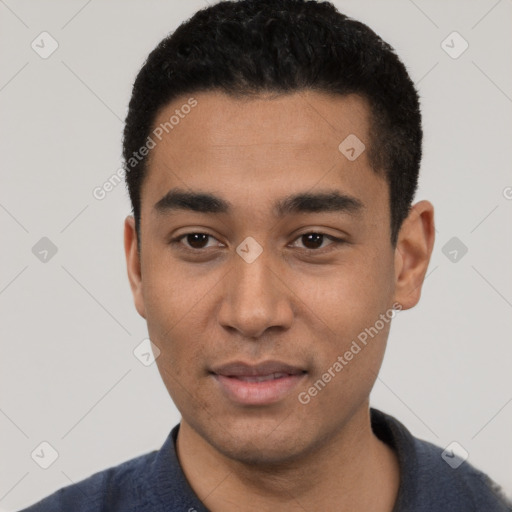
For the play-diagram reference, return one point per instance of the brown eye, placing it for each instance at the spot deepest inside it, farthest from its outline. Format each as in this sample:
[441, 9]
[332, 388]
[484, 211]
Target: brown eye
[197, 240]
[314, 241]
[193, 241]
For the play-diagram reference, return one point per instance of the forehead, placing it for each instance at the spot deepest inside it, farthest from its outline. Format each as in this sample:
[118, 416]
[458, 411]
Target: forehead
[259, 145]
[222, 120]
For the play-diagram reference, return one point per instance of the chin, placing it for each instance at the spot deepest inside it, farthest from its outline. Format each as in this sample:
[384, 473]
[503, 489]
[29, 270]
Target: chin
[263, 454]
[260, 444]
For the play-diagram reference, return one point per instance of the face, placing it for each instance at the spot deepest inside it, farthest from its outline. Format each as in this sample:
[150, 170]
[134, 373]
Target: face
[265, 254]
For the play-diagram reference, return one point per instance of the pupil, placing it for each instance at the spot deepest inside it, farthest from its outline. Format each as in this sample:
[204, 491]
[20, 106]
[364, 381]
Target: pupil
[195, 241]
[315, 238]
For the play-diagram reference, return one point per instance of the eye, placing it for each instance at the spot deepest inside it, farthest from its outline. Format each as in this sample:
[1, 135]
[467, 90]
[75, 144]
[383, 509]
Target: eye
[194, 241]
[315, 240]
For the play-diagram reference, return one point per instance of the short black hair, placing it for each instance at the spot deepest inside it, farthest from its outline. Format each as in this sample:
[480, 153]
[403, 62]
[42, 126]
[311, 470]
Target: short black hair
[250, 47]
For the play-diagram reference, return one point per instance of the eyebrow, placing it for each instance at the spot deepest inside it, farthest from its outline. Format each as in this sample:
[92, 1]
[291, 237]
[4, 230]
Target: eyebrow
[307, 202]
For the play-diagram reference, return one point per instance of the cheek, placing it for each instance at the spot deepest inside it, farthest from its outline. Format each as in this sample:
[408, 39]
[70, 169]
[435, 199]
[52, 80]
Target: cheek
[352, 294]
[172, 291]
[347, 364]
[172, 305]
[350, 303]
[181, 361]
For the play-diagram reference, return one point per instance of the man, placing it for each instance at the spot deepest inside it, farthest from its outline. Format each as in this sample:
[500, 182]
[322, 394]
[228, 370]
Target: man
[272, 151]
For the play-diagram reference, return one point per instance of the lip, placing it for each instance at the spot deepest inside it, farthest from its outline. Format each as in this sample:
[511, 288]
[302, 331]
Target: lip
[259, 384]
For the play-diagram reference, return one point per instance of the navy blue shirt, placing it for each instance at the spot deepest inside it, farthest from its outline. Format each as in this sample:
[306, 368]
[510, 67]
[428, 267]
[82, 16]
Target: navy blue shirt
[155, 482]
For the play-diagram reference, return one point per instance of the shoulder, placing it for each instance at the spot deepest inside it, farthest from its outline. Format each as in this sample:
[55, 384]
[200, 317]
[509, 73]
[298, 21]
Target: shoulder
[451, 480]
[118, 488]
[436, 479]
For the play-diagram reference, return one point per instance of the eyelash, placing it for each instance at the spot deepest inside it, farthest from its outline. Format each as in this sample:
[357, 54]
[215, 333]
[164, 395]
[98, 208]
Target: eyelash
[335, 241]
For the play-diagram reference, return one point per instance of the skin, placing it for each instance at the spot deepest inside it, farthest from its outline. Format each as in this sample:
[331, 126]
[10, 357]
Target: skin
[298, 306]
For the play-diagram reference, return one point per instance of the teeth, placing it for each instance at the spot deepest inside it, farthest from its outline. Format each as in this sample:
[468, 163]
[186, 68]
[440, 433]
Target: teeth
[261, 378]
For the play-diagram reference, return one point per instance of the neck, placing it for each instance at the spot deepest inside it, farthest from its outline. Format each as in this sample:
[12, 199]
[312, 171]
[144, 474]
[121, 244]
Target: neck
[353, 470]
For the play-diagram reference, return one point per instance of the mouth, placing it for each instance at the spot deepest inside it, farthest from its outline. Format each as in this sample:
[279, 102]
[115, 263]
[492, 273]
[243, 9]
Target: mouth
[259, 378]
[260, 384]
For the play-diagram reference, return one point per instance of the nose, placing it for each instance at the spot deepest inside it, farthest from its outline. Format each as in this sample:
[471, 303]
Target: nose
[256, 298]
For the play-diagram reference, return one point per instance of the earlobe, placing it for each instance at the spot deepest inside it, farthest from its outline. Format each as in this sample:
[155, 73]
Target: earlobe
[133, 264]
[412, 254]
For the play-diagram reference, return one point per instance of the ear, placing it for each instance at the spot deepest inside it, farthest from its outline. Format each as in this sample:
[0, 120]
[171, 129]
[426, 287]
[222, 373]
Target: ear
[133, 264]
[412, 254]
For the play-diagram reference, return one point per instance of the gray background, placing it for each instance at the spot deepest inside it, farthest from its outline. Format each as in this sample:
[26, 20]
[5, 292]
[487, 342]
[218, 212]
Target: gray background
[68, 374]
